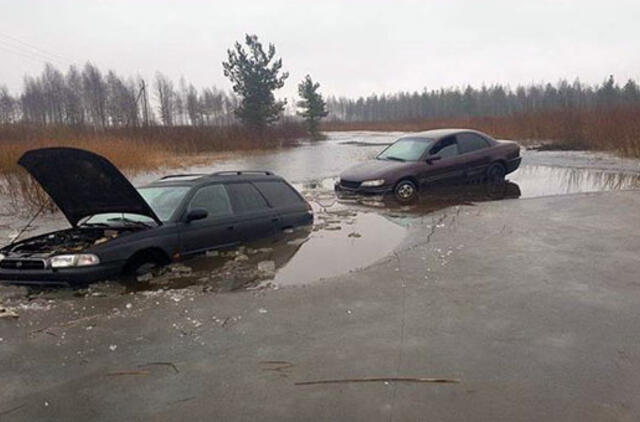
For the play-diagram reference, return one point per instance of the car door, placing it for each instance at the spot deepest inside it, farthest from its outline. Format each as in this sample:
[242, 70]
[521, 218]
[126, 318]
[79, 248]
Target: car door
[291, 207]
[217, 230]
[444, 164]
[254, 217]
[476, 153]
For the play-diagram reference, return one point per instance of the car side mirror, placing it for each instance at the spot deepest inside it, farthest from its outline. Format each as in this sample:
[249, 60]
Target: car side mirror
[196, 214]
[430, 160]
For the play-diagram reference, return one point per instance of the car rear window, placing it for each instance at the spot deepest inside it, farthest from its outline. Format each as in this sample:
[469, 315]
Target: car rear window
[469, 142]
[245, 198]
[279, 194]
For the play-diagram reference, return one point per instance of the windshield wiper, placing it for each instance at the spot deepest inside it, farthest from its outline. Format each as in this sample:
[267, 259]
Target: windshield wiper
[128, 221]
[94, 225]
[391, 157]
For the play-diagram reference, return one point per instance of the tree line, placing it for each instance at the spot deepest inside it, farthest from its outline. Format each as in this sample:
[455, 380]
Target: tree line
[495, 100]
[88, 97]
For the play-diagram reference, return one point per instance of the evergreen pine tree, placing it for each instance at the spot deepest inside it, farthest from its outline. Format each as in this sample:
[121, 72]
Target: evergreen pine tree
[312, 105]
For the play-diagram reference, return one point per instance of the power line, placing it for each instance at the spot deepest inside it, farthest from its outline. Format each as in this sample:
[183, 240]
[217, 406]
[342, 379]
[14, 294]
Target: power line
[38, 49]
[26, 56]
[30, 54]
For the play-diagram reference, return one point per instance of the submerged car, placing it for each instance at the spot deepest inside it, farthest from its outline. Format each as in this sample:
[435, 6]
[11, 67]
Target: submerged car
[419, 161]
[117, 229]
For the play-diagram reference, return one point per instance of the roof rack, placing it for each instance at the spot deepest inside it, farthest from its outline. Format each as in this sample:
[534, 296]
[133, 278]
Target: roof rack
[175, 176]
[233, 172]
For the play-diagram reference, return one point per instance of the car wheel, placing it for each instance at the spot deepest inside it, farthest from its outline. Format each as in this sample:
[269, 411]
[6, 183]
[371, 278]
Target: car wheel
[405, 192]
[145, 267]
[496, 173]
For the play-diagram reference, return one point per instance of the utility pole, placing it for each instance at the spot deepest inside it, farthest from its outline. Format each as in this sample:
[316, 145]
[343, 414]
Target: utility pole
[145, 107]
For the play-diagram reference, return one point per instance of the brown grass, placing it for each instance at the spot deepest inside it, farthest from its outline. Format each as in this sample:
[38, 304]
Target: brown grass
[613, 129]
[131, 150]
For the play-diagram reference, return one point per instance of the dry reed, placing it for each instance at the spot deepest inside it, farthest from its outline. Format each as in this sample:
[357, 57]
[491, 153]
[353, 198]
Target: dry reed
[611, 129]
[131, 150]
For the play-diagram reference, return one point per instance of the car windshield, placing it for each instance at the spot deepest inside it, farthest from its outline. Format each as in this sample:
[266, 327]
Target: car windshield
[163, 201]
[406, 149]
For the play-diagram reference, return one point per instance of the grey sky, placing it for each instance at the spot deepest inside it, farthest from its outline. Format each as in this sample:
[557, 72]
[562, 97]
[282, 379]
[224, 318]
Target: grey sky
[351, 47]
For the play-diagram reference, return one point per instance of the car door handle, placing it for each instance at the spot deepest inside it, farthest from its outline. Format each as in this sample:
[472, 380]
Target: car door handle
[275, 220]
[231, 228]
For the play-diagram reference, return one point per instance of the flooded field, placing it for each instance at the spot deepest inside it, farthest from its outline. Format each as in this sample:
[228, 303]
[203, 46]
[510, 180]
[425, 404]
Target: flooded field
[348, 234]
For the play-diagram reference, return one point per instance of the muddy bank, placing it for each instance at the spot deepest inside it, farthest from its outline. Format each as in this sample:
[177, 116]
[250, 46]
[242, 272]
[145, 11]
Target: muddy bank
[509, 297]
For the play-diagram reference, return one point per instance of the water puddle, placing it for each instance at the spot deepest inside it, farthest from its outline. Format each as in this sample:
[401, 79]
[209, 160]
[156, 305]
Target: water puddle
[340, 241]
[351, 244]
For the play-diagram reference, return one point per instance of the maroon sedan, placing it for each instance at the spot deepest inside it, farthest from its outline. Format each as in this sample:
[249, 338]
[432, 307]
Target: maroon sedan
[427, 159]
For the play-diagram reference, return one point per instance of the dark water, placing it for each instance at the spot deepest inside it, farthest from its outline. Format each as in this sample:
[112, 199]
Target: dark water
[541, 173]
[352, 234]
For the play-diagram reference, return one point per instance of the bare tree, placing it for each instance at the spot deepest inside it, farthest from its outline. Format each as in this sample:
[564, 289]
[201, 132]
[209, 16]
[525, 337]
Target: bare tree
[194, 107]
[73, 105]
[122, 109]
[165, 96]
[33, 102]
[95, 95]
[8, 106]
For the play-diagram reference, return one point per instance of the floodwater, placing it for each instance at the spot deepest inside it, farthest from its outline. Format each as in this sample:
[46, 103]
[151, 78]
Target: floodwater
[351, 234]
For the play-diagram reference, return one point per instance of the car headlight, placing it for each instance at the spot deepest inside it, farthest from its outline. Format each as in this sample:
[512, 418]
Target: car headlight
[2, 256]
[79, 260]
[373, 183]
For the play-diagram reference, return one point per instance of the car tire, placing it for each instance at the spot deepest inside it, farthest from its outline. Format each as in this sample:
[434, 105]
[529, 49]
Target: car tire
[405, 192]
[143, 268]
[496, 174]
[144, 263]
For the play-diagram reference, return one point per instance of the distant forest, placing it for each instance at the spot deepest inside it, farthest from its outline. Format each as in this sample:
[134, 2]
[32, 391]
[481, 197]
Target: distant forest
[491, 101]
[88, 97]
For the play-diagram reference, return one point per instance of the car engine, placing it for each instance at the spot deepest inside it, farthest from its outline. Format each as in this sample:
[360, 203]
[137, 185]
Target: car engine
[65, 241]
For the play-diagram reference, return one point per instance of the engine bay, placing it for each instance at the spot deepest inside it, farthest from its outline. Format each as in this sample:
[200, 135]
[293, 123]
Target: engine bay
[68, 241]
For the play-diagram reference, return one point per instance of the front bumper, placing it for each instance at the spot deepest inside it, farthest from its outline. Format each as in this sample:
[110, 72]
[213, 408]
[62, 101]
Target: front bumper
[77, 275]
[512, 165]
[378, 190]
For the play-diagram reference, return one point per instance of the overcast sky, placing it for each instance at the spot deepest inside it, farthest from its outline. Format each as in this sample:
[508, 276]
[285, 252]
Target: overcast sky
[351, 47]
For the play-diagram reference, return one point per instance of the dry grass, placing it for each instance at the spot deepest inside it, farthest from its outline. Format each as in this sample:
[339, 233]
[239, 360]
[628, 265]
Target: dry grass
[142, 148]
[131, 150]
[613, 129]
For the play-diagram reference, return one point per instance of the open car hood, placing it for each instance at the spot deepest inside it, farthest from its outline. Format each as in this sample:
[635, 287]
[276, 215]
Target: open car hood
[82, 183]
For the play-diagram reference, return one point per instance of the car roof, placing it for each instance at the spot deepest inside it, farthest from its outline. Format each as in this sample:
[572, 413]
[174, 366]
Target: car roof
[437, 134]
[197, 179]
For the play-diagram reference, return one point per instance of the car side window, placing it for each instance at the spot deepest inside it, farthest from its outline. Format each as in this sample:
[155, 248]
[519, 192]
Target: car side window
[447, 147]
[279, 194]
[245, 198]
[214, 199]
[469, 142]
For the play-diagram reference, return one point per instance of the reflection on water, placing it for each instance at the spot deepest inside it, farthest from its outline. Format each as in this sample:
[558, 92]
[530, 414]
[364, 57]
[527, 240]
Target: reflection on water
[340, 241]
[546, 180]
[439, 198]
[345, 244]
